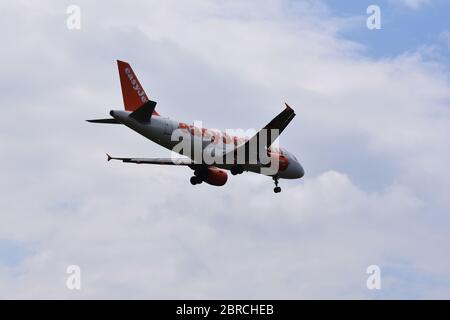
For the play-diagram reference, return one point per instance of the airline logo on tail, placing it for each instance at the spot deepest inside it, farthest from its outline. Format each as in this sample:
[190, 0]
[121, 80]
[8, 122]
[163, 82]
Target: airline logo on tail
[136, 86]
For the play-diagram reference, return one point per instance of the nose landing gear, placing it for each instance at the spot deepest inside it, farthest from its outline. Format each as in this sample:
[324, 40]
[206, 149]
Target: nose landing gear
[277, 189]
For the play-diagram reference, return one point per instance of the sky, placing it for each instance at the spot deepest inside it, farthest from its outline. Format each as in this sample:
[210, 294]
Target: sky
[407, 25]
[372, 132]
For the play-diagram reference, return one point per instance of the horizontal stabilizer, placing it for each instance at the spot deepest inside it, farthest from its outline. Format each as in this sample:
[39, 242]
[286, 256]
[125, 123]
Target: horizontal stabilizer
[144, 113]
[161, 161]
[112, 121]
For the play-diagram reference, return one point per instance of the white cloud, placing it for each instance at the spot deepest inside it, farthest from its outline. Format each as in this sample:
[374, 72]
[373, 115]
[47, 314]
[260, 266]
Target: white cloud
[414, 4]
[445, 38]
[372, 135]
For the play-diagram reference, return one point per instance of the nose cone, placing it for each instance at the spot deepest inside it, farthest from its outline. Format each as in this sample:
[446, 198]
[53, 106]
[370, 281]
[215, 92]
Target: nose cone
[300, 171]
[293, 171]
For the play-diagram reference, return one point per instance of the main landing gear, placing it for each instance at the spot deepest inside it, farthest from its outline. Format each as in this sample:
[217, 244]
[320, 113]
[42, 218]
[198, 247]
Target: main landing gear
[277, 189]
[195, 180]
[199, 176]
[236, 170]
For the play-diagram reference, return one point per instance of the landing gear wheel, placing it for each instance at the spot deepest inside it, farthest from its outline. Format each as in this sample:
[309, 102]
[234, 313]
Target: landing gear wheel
[236, 170]
[277, 189]
[195, 180]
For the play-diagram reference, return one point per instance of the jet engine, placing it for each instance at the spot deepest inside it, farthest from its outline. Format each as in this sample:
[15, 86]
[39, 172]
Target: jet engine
[216, 177]
[211, 175]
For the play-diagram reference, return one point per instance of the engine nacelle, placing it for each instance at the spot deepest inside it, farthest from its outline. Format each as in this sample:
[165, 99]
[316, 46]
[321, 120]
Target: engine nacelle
[216, 176]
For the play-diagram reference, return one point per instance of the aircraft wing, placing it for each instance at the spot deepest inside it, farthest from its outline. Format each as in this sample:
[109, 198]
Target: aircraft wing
[160, 161]
[280, 122]
[269, 133]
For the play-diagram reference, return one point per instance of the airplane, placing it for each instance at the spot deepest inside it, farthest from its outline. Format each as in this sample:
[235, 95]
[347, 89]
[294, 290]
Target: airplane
[140, 115]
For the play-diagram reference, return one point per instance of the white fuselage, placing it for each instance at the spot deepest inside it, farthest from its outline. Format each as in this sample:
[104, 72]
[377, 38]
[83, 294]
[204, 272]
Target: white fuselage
[160, 130]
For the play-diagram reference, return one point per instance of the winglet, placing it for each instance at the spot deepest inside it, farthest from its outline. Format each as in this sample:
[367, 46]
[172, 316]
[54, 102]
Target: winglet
[288, 106]
[108, 157]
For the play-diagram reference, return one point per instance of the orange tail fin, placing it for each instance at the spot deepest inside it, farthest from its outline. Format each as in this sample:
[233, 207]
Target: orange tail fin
[133, 94]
